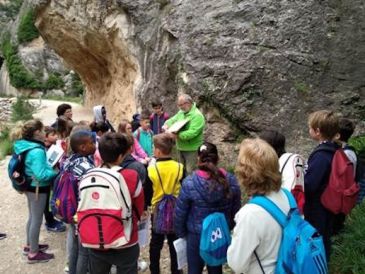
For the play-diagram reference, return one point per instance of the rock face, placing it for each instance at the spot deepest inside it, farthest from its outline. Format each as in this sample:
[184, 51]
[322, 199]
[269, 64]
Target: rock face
[259, 64]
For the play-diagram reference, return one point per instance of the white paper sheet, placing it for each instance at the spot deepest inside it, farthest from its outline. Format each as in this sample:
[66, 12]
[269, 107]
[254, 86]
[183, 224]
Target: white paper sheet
[176, 127]
[180, 248]
[143, 232]
[54, 154]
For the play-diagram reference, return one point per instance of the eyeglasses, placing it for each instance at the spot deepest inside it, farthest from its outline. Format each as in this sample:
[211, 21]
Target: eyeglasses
[181, 105]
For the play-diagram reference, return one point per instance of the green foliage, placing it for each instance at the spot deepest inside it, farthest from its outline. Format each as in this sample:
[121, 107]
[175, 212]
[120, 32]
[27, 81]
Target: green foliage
[77, 87]
[301, 87]
[358, 143]
[11, 9]
[54, 81]
[26, 29]
[19, 76]
[348, 255]
[6, 145]
[22, 110]
[77, 100]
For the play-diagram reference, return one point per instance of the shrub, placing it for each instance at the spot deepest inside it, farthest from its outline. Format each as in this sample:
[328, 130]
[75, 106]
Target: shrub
[77, 87]
[22, 110]
[6, 145]
[26, 29]
[358, 143]
[11, 9]
[348, 255]
[19, 76]
[54, 81]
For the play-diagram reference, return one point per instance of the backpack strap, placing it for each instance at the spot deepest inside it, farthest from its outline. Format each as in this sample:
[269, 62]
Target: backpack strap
[286, 161]
[177, 178]
[138, 134]
[258, 260]
[273, 209]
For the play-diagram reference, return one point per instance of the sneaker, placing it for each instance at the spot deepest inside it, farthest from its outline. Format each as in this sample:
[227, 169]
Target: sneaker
[142, 265]
[56, 227]
[2, 236]
[26, 249]
[41, 257]
[66, 269]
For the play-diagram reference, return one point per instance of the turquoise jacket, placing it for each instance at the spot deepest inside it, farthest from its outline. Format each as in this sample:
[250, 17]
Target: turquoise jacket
[145, 139]
[191, 135]
[36, 165]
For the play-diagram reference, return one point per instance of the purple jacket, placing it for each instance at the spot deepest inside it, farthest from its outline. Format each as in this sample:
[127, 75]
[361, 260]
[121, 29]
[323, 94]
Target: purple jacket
[196, 201]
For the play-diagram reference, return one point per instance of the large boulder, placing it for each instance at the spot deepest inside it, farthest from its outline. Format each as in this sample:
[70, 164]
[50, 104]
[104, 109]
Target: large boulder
[259, 64]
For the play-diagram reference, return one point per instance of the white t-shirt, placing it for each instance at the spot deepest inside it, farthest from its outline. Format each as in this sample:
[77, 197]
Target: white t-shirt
[351, 155]
[256, 230]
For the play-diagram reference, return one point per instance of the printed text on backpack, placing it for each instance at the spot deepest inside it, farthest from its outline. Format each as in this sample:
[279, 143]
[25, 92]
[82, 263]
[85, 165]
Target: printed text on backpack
[301, 250]
[104, 213]
[215, 239]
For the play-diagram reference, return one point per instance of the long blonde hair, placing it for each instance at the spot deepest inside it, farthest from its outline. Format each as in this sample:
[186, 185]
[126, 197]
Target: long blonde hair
[257, 167]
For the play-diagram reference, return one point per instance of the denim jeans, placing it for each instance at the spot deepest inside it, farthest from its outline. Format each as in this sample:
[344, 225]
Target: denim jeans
[125, 259]
[78, 256]
[195, 262]
[156, 244]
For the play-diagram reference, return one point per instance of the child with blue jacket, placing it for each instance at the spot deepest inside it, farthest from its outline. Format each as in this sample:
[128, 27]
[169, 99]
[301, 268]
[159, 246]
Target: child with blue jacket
[209, 189]
[323, 127]
[30, 140]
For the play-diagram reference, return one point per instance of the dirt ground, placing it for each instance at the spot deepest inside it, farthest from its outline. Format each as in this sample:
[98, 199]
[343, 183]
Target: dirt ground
[13, 216]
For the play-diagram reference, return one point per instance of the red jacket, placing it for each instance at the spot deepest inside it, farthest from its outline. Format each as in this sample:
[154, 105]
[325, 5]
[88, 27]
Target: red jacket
[136, 191]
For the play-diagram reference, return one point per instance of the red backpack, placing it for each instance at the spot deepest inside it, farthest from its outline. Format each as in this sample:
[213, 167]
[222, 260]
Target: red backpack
[342, 191]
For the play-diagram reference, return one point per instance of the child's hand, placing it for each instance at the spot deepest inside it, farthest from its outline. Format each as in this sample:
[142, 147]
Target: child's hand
[145, 215]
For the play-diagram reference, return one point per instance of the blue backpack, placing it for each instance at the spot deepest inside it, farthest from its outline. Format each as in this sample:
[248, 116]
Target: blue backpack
[301, 249]
[16, 172]
[214, 239]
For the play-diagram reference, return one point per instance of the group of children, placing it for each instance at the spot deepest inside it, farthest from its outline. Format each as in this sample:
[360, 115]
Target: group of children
[206, 190]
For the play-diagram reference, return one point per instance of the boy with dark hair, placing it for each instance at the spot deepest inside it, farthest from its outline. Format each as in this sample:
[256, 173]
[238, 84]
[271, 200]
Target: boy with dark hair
[144, 134]
[323, 127]
[166, 176]
[80, 161]
[346, 129]
[63, 111]
[113, 148]
[158, 117]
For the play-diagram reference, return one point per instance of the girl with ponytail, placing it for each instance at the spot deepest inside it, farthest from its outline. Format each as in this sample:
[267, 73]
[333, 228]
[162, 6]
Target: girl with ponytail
[209, 189]
[29, 141]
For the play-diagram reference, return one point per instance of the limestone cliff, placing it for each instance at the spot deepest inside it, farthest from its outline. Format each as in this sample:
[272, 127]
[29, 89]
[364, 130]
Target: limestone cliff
[258, 64]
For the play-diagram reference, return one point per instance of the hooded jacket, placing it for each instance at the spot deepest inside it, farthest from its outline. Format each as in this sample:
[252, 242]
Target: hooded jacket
[191, 135]
[36, 165]
[99, 117]
[196, 201]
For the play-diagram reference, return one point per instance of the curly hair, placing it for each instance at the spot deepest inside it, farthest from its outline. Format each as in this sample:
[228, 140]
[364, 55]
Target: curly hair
[257, 167]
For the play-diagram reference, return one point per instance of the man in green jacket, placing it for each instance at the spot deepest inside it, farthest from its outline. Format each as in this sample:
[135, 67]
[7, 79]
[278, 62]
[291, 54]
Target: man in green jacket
[190, 137]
